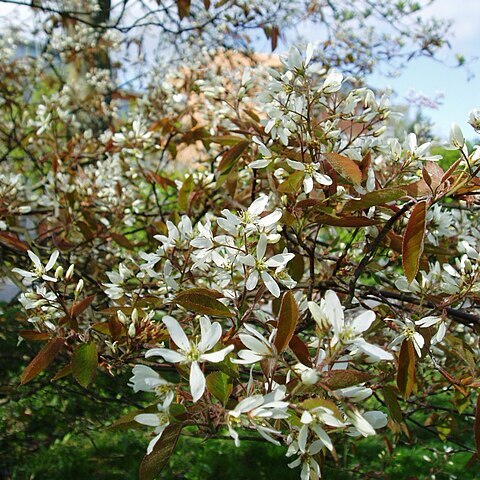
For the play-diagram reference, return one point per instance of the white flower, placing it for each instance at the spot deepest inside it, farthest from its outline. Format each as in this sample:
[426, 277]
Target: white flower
[158, 420]
[310, 467]
[429, 321]
[254, 411]
[177, 235]
[258, 348]
[332, 83]
[146, 379]
[474, 119]
[410, 334]
[348, 331]
[366, 424]
[311, 174]
[250, 219]
[191, 352]
[39, 271]
[456, 136]
[260, 266]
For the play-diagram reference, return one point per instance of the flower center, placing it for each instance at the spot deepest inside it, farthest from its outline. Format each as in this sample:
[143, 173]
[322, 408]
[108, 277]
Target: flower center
[409, 332]
[193, 355]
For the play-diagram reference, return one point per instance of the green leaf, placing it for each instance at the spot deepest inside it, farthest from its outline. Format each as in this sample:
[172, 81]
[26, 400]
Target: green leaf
[42, 360]
[202, 301]
[85, 363]
[154, 463]
[292, 184]
[220, 386]
[406, 368]
[287, 321]
[230, 156]
[390, 397]
[345, 167]
[128, 420]
[413, 240]
[373, 199]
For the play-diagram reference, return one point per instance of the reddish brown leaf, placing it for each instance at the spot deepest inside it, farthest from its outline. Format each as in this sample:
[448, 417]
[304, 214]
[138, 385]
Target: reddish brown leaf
[300, 350]
[230, 156]
[164, 182]
[79, 307]
[42, 360]
[287, 321]
[345, 167]
[154, 463]
[413, 240]
[33, 335]
[346, 221]
[375, 198]
[406, 369]
[183, 7]
[122, 240]
[12, 241]
[345, 378]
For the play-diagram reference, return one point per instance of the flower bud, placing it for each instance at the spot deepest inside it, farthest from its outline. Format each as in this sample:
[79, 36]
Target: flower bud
[132, 330]
[456, 136]
[135, 315]
[310, 377]
[59, 272]
[122, 317]
[79, 287]
[69, 273]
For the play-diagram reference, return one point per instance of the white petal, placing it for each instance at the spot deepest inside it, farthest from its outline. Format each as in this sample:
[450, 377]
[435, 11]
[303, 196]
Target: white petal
[258, 206]
[150, 419]
[51, 262]
[363, 321]
[308, 183]
[271, 284]
[176, 333]
[261, 246]
[36, 261]
[248, 260]
[271, 218]
[252, 280]
[254, 344]
[216, 357]
[296, 165]
[279, 260]
[210, 337]
[428, 321]
[168, 355]
[372, 351]
[197, 382]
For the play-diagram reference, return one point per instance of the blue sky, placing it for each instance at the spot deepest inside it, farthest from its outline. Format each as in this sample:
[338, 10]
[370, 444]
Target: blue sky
[422, 75]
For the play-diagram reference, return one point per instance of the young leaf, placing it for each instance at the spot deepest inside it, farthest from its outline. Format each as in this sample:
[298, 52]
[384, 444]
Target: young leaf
[85, 363]
[373, 199]
[406, 369]
[220, 386]
[79, 307]
[287, 321]
[292, 184]
[345, 378]
[300, 349]
[413, 240]
[184, 193]
[42, 360]
[154, 463]
[230, 156]
[390, 397]
[345, 167]
[202, 301]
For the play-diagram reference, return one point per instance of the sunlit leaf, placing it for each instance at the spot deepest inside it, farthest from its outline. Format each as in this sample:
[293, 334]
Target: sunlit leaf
[42, 360]
[413, 240]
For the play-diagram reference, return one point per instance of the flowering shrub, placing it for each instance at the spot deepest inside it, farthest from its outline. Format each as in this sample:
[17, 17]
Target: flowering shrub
[306, 276]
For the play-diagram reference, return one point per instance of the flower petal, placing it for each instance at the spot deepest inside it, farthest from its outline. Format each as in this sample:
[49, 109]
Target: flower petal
[176, 333]
[197, 382]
